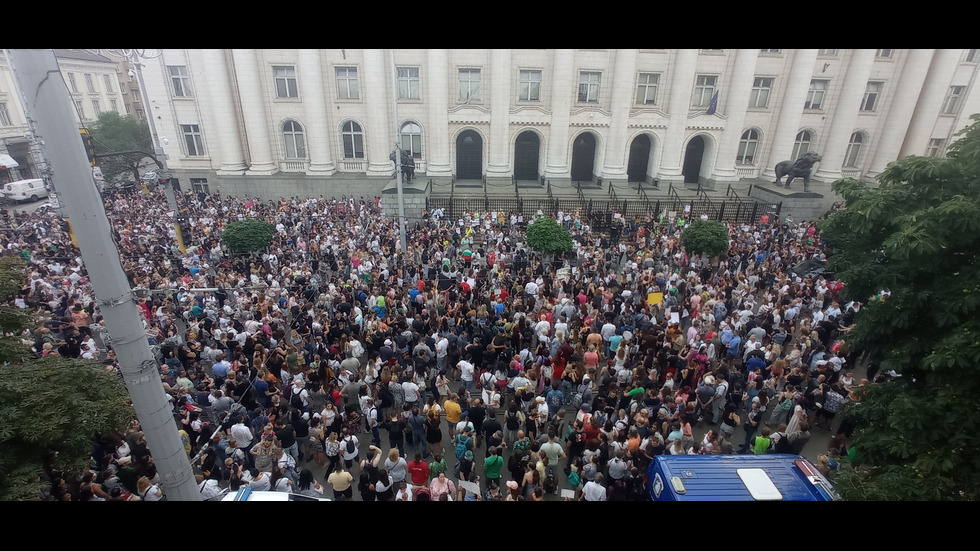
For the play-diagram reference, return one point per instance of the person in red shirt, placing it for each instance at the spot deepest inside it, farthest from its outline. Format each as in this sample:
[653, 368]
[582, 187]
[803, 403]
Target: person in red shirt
[419, 471]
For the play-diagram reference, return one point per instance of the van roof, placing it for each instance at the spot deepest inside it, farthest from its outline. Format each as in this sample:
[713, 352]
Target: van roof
[767, 477]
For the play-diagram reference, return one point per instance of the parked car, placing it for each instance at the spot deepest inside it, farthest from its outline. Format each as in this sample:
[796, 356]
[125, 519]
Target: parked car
[25, 190]
[813, 269]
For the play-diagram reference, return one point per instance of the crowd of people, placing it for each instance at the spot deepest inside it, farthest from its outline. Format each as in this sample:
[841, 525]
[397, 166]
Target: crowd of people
[469, 368]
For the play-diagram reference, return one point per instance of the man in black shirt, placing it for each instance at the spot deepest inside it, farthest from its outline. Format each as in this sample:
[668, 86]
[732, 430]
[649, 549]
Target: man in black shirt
[477, 415]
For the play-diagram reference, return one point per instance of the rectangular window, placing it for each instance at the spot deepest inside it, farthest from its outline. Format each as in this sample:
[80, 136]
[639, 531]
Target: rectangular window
[646, 88]
[108, 84]
[129, 110]
[871, 94]
[122, 89]
[89, 83]
[952, 101]
[704, 88]
[347, 83]
[469, 84]
[114, 105]
[192, 139]
[285, 77]
[530, 85]
[814, 96]
[200, 185]
[883, 54]
[761, 88]
[4, 115]
[79, 110]
[769, 51]
[937, 146]
[180, 81]
[972, 56]
[408, 83]
[588, 86]
[96, 107]
[827, 52]
[71, 81]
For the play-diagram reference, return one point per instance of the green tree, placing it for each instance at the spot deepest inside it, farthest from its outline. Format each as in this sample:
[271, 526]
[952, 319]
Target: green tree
[916, 236]
[546, 236]
[248, 236]
[113, 133]
[705, 237]
[50, 408]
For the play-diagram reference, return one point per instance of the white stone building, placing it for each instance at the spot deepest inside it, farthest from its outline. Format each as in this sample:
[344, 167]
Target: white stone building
[297, 122]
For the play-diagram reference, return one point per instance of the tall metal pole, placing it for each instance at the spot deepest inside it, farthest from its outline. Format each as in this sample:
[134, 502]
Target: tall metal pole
[49, 112]
[398, 161]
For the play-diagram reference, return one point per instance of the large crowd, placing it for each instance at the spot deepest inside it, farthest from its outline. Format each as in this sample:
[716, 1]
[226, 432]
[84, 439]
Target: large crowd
[469, 368]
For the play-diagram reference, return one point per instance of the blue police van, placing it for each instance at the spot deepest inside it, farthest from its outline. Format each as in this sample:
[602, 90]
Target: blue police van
[770, 477]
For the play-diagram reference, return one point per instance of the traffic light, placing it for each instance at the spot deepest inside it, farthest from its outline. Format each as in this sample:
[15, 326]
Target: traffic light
[89, 145]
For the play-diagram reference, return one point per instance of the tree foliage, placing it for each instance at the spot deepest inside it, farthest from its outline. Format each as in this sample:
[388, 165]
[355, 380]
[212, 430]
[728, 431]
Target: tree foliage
[915, 235]
[50, 408]
[247, 236]
[50, 411]
[705, 237]
[112, 133]
[546, 236]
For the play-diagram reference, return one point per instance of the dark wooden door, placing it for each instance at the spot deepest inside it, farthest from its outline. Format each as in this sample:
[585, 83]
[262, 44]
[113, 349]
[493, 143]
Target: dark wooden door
[692, 160]
[636, 168]
[526, 152]
[583, 157]
[469, 156]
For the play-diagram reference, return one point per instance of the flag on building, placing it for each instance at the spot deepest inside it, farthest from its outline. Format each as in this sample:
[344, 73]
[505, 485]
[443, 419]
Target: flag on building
[712, 105]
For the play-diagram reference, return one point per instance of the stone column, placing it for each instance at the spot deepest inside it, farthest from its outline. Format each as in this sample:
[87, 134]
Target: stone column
[678, 106]
[217, 103]
[791, 109]
[251, 91]
[927, 110]
[845, 115]
[735, 106]
[906, 91]
[564, 84]
[436, 135]
[380, 131]
[614, 157]
[317, 123]
[500, 95]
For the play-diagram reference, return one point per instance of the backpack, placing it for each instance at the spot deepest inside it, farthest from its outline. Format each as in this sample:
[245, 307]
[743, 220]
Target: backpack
[462, 444]
[386, 397]
[295, 401]
[550, 485]
[351, 447]
[513, 421]
[577, 401]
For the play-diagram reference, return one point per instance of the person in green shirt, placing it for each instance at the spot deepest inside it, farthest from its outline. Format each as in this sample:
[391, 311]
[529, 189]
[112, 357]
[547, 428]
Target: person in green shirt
[492, 464]
[438, 465]
[761, 443]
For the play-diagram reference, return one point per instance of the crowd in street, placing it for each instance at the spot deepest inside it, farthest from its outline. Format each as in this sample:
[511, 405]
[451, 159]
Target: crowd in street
[469, 368]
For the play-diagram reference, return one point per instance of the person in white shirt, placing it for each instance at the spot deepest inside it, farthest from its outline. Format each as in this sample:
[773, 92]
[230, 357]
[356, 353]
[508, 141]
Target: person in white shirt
[594, 490]
[466, 370]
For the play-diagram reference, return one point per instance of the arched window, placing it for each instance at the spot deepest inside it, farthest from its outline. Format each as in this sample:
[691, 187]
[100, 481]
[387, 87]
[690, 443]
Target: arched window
[853, 150]
[802, 145]
[746, 147]
[292, 135]
[353, 141]
[412, 139]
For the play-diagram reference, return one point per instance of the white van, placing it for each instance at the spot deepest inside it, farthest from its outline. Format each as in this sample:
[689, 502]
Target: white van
[25, 190]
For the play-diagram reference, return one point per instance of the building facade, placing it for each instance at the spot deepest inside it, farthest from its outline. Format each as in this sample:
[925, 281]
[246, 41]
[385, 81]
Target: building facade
[323, 122]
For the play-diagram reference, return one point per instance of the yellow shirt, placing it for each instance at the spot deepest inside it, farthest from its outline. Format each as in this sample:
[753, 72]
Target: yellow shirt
[453, 411]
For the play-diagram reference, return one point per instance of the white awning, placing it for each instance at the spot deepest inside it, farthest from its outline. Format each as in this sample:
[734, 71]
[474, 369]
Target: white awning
[6, 161]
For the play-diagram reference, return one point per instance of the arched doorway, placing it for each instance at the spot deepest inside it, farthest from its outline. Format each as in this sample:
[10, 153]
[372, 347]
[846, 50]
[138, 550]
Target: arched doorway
[692, 160]
[583, 157]
[636, 168]
[526, 151]
[469, 156]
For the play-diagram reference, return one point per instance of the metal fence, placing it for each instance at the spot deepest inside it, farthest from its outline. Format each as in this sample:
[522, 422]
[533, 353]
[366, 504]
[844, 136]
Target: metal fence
[601, 212]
